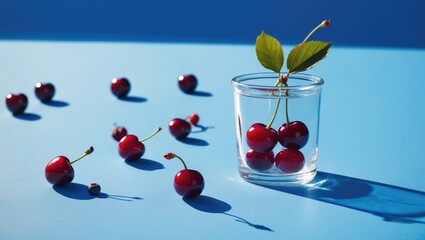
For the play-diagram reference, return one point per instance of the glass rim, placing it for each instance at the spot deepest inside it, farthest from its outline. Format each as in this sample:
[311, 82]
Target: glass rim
[314, 81]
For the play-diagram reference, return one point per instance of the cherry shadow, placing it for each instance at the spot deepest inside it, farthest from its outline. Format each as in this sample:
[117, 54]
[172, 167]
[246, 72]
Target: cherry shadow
[212, 205]
[75, 191]
[134, 99]
[117, 197]
[194, 141]
[145, 164]
[391, 203]
[200, 94]
[79, 191]
[200, 128]
[56, 103]
[28, 116]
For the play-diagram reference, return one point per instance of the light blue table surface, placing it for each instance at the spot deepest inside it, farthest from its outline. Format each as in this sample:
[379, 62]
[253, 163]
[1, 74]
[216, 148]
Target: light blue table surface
[370, 184]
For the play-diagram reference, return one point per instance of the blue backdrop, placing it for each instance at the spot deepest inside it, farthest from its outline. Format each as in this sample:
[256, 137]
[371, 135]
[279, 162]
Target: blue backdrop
[392, 23]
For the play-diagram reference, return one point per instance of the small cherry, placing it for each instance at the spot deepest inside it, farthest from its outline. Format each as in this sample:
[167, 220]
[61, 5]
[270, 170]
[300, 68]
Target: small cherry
[120, 87]
[179, 128]
[289, 160]
[193, 119]
[94, 189]
[259, 161]
[119, 132]
[261, 138]
[187, 83]
[44, 91]
[59, 170]
[187, 183]
[16, 103]
[294, 136]
[131, 148]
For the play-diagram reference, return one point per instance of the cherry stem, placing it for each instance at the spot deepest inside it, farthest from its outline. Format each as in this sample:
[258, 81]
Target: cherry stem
[282, 79]
[325, 23]
[150, 136]
[286, 105]
[184, 164]
[87, 152]
[275, 113]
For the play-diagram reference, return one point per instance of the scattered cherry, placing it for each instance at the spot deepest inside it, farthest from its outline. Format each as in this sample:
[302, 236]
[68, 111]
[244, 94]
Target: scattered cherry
[290, 160]
[44, 91]
[259, 161]
[193, 119]
[187, 83]
[179, 128]
[120, 87]
[294, 136]
[119, 132]
[94, 189]
[187, 183]
[260, 138]
[59, 170]
[16, 103]
[131, 148]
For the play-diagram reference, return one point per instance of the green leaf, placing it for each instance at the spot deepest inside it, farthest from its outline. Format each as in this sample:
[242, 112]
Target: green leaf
[269, 52]
[305, 56]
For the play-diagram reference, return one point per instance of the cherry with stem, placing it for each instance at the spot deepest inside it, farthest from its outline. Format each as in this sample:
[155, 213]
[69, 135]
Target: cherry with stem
[188, 183]
[59, 170]
[131, 148]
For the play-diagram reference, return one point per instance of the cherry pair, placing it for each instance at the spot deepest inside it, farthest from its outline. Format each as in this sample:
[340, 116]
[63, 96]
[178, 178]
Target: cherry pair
[18, 102]
[180, 128]
[262, 139]
[59, 170]
[120, 87]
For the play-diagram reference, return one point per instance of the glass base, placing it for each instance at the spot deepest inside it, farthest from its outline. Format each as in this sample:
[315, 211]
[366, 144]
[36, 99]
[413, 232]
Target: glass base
[275, 177]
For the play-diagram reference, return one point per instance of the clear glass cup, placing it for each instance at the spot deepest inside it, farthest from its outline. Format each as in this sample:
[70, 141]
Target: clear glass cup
[256, 100]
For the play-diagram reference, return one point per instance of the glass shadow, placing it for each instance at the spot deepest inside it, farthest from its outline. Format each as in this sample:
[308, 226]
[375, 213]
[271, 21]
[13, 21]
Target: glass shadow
[392, 203]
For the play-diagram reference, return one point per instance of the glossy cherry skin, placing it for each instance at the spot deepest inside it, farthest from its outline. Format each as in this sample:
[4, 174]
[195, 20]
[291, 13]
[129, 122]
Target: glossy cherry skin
[59, 172]
[189, 183]
[179, 128]
[44, 91]
[130, 148]
[187, 83]
[261, 139]
[193, 119]
[259, 161]
[120, 87]
[289, 160]
[294, 136]
[16, 103]
[119, 132]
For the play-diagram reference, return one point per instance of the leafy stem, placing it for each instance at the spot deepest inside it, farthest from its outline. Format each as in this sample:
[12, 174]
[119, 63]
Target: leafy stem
[302, 57]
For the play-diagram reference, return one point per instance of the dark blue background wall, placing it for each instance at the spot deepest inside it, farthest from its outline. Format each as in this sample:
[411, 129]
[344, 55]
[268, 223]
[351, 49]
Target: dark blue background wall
[391, 23]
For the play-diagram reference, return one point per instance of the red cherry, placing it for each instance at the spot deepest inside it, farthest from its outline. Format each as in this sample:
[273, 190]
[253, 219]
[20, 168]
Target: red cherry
[260, 138]
[193, 119]
[59, 170]
[294, 136]
[187, 83]
[119, 132]
[16, 103]
[120, 87]
[187, 183]
[290, 160]
[259, 161]
[44, 91]
[131, 148]
[179, 128]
